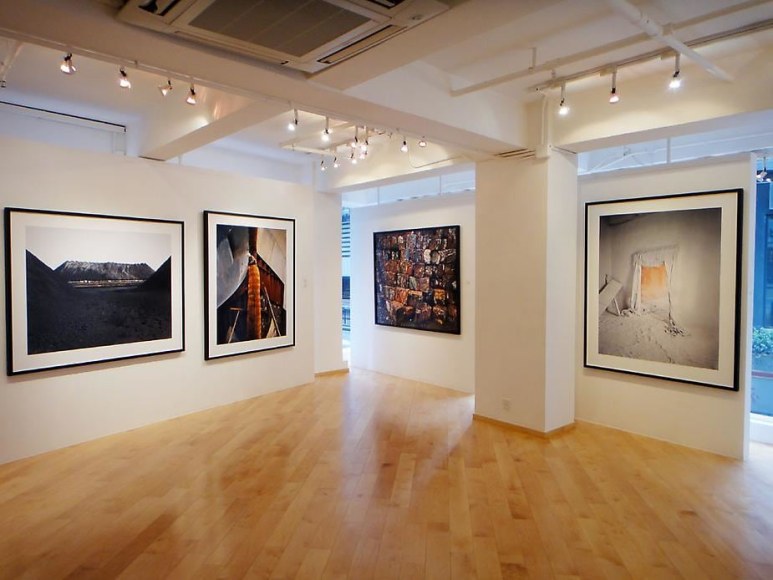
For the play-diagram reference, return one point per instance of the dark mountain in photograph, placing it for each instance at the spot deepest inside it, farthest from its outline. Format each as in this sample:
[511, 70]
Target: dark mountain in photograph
[73, 270]
[161, 278]
[43, 282]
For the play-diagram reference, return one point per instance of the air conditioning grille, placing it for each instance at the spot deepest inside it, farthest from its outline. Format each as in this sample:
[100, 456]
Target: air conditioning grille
[295, 27]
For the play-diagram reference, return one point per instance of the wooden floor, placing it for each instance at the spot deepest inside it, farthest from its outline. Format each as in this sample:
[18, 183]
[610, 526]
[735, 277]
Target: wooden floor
[368, 476]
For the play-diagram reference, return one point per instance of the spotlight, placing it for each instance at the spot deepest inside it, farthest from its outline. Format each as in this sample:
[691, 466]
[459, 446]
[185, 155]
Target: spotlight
[353, 158]
[365, 144]
[404, 146]
[356, 141]
[326, 132]
[123, 79]
[422, 142]
[322, 166]
[613, 96]
[293, 125]
[191, 98]
[67, 67]
[335, 163]
[563, 108]
[676, 79]
[167, 88]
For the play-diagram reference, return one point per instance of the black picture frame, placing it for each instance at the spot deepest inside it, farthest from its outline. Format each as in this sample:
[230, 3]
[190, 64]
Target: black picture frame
[663, 287]
[234, 323]
[417, 278]
[90, 288]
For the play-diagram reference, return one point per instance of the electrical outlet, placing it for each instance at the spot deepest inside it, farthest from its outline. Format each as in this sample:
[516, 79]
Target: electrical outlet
[506, 404]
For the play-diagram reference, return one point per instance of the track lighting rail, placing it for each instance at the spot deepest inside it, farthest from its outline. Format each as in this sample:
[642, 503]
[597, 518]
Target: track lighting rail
[607, 68]
[625, 43]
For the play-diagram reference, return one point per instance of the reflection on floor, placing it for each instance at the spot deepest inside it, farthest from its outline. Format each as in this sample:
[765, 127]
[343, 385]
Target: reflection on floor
[644, 337]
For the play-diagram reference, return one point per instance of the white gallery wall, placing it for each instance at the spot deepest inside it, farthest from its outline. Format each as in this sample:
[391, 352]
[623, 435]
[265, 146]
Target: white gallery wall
[46, 410]
[446, 360]
[56, 129]
[706, 418]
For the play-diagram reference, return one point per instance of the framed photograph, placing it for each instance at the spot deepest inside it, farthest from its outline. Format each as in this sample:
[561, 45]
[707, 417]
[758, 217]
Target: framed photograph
[416, 274]
[662, 286]
[84, 288]
[249, 264]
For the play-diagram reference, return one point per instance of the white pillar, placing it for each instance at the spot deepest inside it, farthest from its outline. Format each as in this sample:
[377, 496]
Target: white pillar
[526, 220]
[328, 350]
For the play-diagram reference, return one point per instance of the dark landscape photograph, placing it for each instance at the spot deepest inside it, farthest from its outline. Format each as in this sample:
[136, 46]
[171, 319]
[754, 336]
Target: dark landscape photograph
[88, 288]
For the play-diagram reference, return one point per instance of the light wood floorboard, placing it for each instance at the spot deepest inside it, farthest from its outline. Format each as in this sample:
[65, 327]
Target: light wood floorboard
[361, 476]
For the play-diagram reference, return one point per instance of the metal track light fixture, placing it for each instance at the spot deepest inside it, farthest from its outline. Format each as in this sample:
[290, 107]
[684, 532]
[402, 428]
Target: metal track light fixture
[563, 108]
[166, 88]
[293, 124]
[365, 145]
[191, 98]
[676, 79]
[67, 67]
[123, 79]
[613, 96]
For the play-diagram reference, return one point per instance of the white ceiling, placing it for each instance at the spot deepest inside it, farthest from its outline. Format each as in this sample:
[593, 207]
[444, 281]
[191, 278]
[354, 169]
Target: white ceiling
[245, 104]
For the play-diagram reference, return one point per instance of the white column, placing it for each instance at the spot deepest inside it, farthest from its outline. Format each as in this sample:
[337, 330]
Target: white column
[526, 291]
[328, 353]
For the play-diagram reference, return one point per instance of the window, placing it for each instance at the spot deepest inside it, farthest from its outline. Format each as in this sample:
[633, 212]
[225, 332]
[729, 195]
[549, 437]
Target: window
[762, 339]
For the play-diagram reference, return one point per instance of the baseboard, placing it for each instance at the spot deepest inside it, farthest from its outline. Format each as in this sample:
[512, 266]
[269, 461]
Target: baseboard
[342, 371]
[527, 430]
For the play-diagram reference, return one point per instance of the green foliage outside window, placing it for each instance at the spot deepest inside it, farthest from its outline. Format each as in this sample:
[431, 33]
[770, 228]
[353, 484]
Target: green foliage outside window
[762, 341]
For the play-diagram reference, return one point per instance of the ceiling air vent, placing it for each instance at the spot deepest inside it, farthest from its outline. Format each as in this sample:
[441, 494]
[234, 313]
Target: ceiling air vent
[307, 35]
[518, 154]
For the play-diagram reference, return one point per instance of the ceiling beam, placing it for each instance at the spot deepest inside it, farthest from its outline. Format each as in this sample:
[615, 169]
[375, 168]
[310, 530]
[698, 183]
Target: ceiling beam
[165, 138]
[656, 31]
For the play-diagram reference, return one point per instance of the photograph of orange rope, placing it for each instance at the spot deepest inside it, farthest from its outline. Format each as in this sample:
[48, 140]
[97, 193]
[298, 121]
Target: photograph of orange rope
[249, 283]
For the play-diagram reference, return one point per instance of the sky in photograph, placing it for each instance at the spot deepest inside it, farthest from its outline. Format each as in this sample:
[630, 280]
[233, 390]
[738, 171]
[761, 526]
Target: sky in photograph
[54, 246]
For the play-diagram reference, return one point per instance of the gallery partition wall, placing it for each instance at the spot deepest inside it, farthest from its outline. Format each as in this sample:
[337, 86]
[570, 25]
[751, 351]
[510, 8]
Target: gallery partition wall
[156, 266]
[413, 289]
[677, 407]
